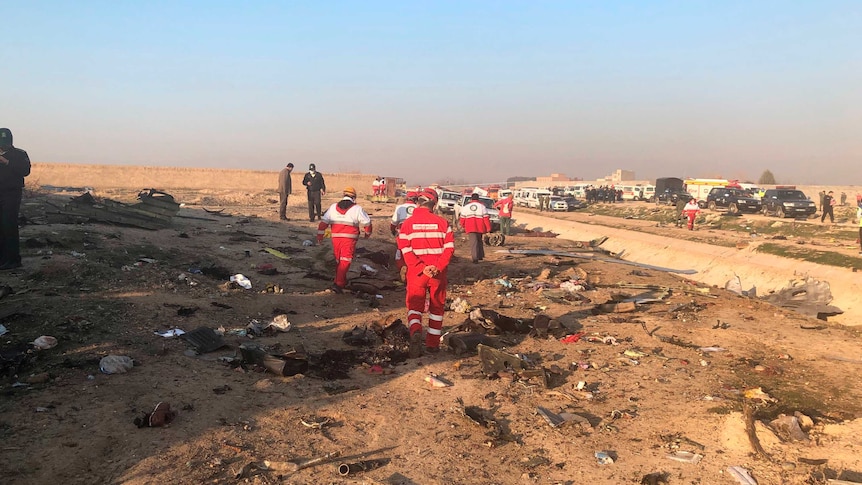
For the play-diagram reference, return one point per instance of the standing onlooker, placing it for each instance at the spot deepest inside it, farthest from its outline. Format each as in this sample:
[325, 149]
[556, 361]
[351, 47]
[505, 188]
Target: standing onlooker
[843, 199]
[402, 212]
[859, 216]
[382, 187]
[316, 187]
[14, 166]
[822, 199]
[680, 210]
[345, 217]
[285, 188]
[828, 204]
[427, 243]
[375, 186]
[691, 209]
[475, 220]
[505, 206]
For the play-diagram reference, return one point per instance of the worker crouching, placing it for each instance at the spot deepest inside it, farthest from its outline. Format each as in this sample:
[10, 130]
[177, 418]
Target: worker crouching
[345, 217]
[427, 243]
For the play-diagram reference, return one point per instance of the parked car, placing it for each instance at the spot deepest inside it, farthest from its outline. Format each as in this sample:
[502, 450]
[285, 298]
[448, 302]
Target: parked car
[787, 202]
[493, 213]
[574, 204]
[734, 200]
[446, 201]
[559, 204]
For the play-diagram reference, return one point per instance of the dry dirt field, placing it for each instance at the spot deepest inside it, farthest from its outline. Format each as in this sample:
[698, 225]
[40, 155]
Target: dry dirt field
[697, 374]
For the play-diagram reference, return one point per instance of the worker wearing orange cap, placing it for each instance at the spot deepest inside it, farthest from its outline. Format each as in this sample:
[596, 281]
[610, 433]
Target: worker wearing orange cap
[345, 217]
[402, 212]
[427, 244]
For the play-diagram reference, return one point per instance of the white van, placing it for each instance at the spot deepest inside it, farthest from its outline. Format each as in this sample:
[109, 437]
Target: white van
[579, 191]
[530, 196]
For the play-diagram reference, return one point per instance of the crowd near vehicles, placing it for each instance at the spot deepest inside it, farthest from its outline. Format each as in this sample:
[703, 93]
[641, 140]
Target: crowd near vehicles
[733, 199]
[784, 202]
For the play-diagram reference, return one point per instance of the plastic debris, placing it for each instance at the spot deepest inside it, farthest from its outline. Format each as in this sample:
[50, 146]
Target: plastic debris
[308, 242]
[604, 458]
[241, 280]
[437, 381]
[116, 364]
[570, 339]
[757, 393]
[3, 330]
[45, 342]
[276, 253]
[174, 332]
[369, 269]
[571, 286]
[711, 349]
[280, 323]
[459, 306]
[741, 475]
[685, 457]
[504, 283]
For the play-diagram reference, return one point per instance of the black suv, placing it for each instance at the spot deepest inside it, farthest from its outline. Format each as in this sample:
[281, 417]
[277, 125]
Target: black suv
[787, 202]
[670, 196]
[734, 200]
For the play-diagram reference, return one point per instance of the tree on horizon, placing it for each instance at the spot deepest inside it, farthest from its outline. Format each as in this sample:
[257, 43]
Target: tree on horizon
[766, 178]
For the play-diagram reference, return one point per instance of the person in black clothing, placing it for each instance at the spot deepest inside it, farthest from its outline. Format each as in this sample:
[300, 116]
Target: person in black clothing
[14, 166]
[313, 182]
[285, 188]
[828, 203]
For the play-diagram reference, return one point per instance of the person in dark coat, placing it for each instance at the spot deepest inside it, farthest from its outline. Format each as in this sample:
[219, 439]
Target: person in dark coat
[313, 182]
[284, 190]
[14, 166]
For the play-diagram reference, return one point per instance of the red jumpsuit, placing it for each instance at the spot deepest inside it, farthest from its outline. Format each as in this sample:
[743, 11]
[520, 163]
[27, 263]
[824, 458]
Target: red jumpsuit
[426, 239]
[345, 217]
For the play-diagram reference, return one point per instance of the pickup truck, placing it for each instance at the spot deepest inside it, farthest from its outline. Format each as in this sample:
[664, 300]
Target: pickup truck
[446, 201]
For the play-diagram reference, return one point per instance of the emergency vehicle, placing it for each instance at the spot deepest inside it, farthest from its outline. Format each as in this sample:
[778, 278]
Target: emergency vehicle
[699, 188]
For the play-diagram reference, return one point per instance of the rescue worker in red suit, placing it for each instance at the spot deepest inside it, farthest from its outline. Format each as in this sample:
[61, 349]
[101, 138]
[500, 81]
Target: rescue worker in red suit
[690, 210]
[427, 244]
[402, 212]
[505, 205]
[345, 217]
[475, 220]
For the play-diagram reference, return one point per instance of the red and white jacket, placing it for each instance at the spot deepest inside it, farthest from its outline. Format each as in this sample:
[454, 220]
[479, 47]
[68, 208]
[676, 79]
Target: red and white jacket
[426, 239]
[504, 205]
[474, 218]
[345, 217]
[402, 212]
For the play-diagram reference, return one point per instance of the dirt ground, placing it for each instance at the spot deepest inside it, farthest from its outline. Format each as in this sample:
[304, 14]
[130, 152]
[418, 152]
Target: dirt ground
[678, 374]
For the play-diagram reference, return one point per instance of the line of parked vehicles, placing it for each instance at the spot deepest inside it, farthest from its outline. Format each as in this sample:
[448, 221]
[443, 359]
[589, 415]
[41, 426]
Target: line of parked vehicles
[712, 194]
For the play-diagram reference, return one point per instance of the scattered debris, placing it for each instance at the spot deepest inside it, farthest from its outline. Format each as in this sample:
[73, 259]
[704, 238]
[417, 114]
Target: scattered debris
[44, 342]
[116, 364]
[810, 297]
[346, 469]
[437, 381]
[604, 457]
[741, 475]
[685, 457]
[174, 332]
[204, 339]
[241, 280]
[160, 416]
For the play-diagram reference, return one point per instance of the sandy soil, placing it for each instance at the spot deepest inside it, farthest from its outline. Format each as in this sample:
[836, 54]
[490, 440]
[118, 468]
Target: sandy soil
[650, 385]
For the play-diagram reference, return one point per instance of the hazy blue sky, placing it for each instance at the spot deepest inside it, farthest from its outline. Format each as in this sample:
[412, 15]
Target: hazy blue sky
[429, 90]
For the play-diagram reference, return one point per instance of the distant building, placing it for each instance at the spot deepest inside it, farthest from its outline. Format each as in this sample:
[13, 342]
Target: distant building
[554, 179]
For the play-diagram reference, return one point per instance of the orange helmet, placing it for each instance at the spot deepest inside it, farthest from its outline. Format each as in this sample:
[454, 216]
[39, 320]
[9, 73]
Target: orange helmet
[350, 192]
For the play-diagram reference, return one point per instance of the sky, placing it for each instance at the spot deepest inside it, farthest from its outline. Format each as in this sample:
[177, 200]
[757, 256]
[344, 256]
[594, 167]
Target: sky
[464, 91]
